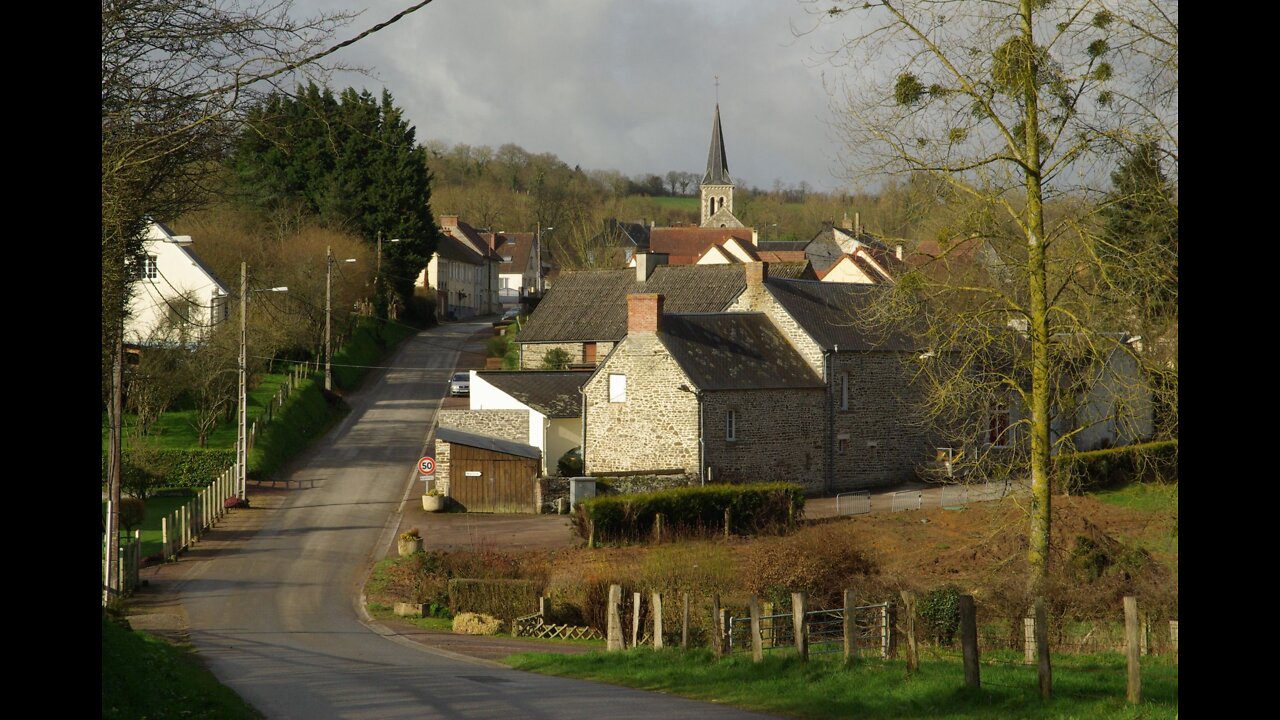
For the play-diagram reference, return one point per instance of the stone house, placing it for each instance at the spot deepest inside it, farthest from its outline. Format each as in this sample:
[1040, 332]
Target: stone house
[847, 254]
[722, 395]
[464, 271]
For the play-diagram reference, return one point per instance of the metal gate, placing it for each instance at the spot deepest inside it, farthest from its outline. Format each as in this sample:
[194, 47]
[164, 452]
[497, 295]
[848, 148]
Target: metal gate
[483, 480]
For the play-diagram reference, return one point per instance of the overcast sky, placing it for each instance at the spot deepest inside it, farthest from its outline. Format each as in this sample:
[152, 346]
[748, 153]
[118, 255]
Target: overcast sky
[610, 84]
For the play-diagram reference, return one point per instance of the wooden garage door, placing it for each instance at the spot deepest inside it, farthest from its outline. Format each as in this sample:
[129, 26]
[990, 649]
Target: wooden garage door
[497, 482]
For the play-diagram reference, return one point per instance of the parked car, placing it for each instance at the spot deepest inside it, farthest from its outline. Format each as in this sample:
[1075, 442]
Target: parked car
[511, 314]
[460, 384]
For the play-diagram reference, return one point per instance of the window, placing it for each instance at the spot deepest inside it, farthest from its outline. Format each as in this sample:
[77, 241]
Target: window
[617, 388]
[150, 270]
[998, 434]
[731, 425]
[842, 445]
[844, 391]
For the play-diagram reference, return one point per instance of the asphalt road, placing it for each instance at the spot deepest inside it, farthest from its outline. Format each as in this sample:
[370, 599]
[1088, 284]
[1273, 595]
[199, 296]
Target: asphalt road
[275, 616]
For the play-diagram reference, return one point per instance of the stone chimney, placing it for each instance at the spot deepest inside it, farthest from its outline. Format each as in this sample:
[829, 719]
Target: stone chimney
[846, 223]
[646, 262]
[756, 275]
[448, 221]
[644, 313]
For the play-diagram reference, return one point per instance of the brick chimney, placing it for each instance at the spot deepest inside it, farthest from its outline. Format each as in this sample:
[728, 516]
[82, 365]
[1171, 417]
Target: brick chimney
[647, 262]
[644, 313]
[448, 221]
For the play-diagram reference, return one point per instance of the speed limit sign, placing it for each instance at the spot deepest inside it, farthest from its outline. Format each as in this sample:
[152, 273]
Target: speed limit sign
[427, 466]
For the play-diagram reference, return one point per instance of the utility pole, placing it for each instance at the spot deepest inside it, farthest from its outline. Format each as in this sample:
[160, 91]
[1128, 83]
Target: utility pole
[242, 435]
[115, 409]
[328, 311]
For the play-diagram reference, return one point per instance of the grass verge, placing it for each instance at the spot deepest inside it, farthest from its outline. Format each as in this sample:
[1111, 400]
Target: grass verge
[146, 677]
[1084, 686]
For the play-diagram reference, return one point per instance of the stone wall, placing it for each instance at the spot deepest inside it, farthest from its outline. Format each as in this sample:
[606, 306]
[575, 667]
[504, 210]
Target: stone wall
[531, 353]
[778, 436]
[506, 424]
[883, 438]
[656, 428]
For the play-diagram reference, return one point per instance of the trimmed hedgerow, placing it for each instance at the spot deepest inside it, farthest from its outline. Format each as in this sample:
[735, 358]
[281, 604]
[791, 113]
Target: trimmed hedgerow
[1101, 469]
[754, 509]
[302, 418]
[503, 599]
[145, 468]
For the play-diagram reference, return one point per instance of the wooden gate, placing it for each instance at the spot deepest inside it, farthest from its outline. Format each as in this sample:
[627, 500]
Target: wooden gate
[489, 481]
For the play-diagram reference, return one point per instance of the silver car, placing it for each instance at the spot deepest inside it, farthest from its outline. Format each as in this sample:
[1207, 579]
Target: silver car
[460, 384]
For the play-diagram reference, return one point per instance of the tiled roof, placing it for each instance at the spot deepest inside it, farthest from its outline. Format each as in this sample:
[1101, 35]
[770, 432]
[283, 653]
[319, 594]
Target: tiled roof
[476, 238]
[735, 351]
[518, 247]
[552, 393]
[782, 256]
[830, 314]
[685, 245]
[783, 245]
[591, 305]
[792, 270]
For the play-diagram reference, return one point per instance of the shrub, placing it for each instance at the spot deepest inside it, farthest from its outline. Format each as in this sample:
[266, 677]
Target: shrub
[504, 599]
[820, 561]
[421, 309]
[144, 468]
[556, 359]
[772, 507]
[410, 535]
[476, 624]
[940, 612]
[1101, 469]
[235, 502]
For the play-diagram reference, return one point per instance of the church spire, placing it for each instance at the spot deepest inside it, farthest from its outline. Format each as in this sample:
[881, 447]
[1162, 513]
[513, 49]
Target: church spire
[717, 162]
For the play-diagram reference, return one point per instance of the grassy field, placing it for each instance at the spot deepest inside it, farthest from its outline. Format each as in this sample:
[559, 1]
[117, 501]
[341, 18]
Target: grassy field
[1084, 686]
[1158, 499]
[145, 677]
[688, 204]
[157, 508]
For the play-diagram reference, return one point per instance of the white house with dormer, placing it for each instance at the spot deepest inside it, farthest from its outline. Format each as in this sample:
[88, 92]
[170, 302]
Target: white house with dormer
[177, 299]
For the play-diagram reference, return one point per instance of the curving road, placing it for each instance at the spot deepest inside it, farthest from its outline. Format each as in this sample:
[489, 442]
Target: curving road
[275, 614]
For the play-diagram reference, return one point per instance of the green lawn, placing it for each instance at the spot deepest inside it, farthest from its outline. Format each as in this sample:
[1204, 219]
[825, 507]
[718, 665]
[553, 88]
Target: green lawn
[145, 677]
[157, 508]
[689, 204]
[1152, 497]
[1084, 686]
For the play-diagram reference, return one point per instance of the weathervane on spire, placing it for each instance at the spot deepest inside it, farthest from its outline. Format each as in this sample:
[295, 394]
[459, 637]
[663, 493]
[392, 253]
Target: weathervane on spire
[717, 89]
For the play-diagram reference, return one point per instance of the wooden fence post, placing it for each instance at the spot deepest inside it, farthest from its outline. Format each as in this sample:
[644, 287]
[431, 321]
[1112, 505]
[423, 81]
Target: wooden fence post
[850, 631]
[657, 528]
[797, 619]
[969, 640]
[1028, 641]
[889, 639]
[757, 652]
[766, 625]
[544, 607]
[615, 621]
[1045, 671]
[1173, 639]
[1131, 641]
[728, 520]
[684, 624]
[1144, 637]
[909, 620]
[635, 620]
[164, 539]
[657, 620]
[717, 646]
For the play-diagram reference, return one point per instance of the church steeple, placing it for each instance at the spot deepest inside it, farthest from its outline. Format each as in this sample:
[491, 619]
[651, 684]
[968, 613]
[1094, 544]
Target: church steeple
[717, 162]
[717, 186]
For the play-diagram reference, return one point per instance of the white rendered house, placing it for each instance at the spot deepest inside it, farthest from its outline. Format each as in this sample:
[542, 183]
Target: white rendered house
[177, 299]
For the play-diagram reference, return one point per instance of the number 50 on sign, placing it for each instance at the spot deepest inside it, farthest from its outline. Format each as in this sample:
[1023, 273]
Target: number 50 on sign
[427, 466]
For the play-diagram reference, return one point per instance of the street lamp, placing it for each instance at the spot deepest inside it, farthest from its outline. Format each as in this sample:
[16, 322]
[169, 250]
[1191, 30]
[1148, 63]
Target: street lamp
[328, 314]
[242, 439]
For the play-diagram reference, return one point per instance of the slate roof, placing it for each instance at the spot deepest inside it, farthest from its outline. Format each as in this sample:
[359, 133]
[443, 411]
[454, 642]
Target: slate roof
[790, 270]
[734, 351]
[717, 161]
[553, 393]
[485, 442]
[451, 248]
[591, 305]
[783, 245]
[828, 313]
[685, 245]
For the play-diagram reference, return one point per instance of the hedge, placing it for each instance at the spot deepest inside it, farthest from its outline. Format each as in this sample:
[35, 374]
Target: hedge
[1101, 469]
[301, 419]
[369, 343]
[767, 507]
[503, 599]
[172, 468]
